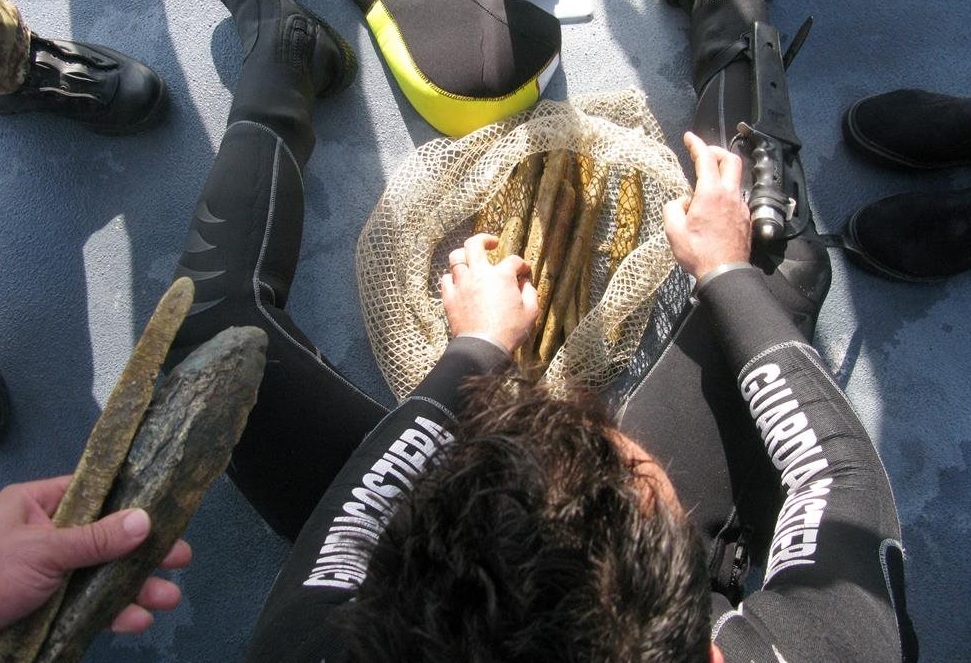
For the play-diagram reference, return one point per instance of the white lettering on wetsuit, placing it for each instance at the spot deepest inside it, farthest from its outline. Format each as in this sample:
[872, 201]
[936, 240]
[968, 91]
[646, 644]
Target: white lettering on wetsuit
[343, 558]
[794, 449]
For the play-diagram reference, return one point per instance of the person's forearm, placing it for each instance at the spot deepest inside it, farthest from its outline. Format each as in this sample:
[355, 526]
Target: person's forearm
[808, 427]
[464, 357]
[330, 557]
[835, 561]
[746, 316]
[389, 460]
[837, 530]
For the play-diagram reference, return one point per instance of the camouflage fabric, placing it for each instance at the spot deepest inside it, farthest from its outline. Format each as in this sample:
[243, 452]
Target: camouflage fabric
[14, 48]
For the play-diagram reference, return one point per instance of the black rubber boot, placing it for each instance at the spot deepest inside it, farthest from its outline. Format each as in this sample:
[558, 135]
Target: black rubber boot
[797, 268]
[799, 273]
[716, 28]
[911, 129]
[106, 91]
[915, 237]
[291, 58]
[249, 218]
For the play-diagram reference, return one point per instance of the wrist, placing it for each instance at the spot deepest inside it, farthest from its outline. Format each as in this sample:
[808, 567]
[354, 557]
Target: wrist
[486, 337]
[717, 271]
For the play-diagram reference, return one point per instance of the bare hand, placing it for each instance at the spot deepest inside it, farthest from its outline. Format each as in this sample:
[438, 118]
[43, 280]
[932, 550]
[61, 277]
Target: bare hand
[497, 301]
[713, 227]
[35, 555]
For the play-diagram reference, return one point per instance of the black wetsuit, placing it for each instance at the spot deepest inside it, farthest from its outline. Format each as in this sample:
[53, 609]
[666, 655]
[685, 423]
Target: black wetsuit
[827, 594]
[834, 581]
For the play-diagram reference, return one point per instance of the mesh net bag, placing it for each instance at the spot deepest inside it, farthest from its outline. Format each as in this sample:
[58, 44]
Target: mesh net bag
[429, 208]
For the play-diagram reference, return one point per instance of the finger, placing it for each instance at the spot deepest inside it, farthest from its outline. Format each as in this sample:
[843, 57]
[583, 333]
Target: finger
[457, 257]
[691, 141]
[102, 541]
[530, 301]
[48, 492]
[729, 165]
[476, 248]
[706, 167]
[675, 211]
[133, 619]
[159, 594]
[449, 291]
[489, 241]
[721, 153]
[677, 206]
[520, 267]
[178, 557]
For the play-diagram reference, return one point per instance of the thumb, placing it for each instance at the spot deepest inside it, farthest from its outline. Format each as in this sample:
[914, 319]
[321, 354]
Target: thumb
[104, 540]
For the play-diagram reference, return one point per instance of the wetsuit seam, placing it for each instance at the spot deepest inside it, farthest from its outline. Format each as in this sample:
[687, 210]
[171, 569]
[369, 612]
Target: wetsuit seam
[268, 228]
[431, 401]
[723, 619]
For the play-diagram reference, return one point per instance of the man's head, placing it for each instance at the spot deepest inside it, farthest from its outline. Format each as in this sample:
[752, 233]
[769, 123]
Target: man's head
[531, 540]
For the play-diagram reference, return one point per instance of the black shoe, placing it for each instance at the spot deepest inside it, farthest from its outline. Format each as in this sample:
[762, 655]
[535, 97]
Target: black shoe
[916, 237]
[4, 408]
[102, 89]
[911, 128]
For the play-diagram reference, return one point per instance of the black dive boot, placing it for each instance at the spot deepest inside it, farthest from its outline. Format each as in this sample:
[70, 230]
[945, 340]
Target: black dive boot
[911, 129]
[743, 105]
[106, 91]
[291, 58]
[918, 237]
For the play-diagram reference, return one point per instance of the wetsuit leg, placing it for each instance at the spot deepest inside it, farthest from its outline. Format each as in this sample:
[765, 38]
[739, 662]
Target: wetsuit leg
[242, 250]
[686, 410]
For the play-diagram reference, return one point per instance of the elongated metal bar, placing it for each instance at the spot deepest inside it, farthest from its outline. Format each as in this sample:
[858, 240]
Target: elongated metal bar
[105, 452]
[184, 444]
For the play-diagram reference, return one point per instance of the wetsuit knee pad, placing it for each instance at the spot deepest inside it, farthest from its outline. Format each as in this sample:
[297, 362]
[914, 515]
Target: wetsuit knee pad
[463, 65]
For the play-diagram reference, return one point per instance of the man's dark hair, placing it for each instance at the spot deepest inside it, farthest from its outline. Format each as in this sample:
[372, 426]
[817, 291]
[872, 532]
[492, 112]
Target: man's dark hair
[528, 541]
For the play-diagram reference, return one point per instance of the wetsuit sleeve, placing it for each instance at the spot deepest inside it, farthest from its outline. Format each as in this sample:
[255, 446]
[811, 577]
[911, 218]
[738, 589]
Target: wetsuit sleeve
[833, 585]
[330, 557]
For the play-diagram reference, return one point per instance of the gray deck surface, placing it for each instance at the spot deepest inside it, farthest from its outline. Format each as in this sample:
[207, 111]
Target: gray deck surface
[92, 227]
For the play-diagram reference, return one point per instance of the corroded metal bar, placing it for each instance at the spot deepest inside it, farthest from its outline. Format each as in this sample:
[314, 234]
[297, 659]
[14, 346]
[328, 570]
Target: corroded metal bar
[105, 452]
[183, 445]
